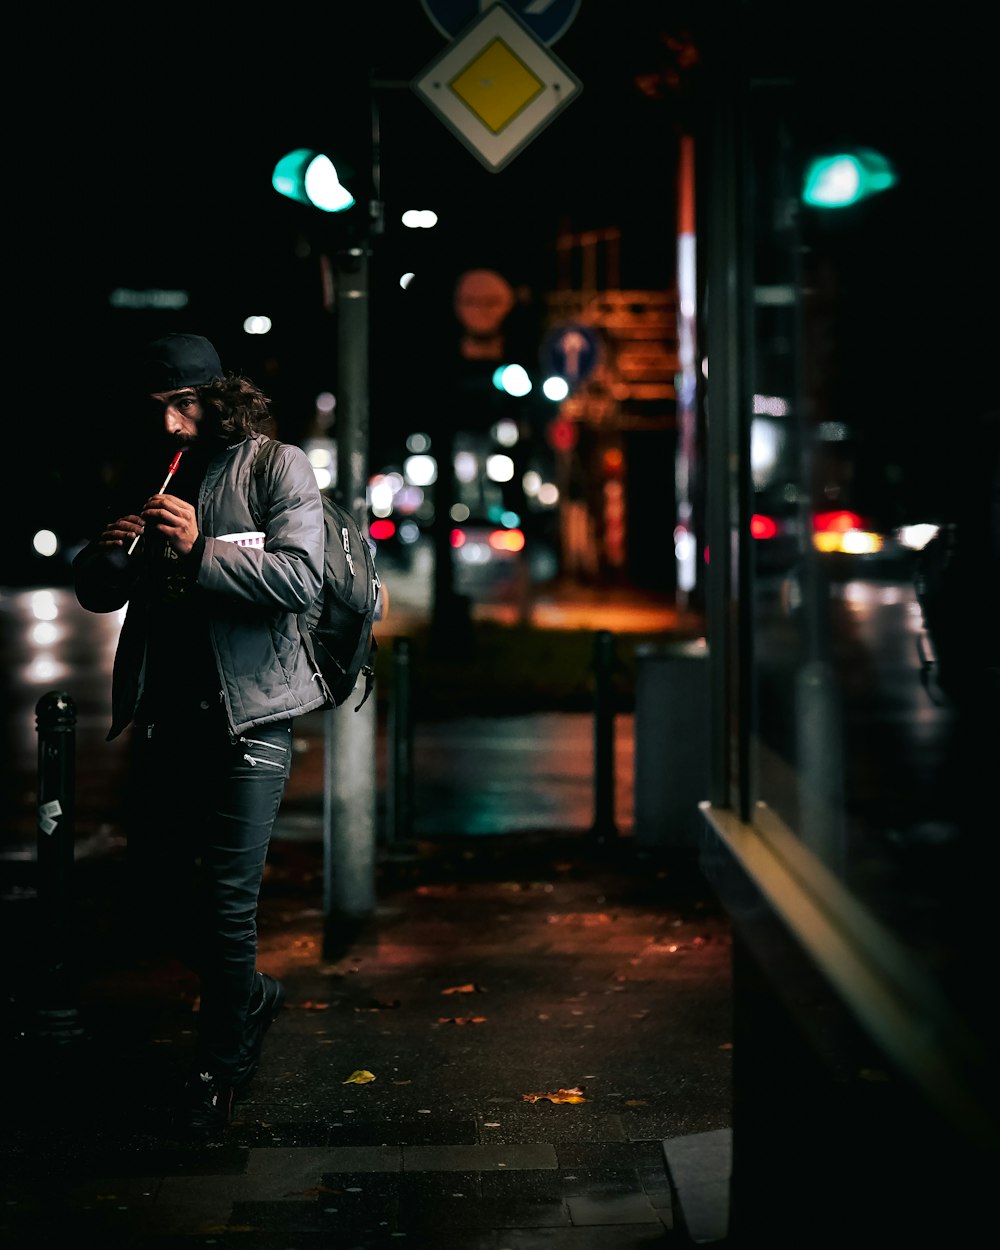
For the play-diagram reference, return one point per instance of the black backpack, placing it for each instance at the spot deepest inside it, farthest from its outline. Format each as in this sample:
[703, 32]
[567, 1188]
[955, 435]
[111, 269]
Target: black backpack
[338, 630]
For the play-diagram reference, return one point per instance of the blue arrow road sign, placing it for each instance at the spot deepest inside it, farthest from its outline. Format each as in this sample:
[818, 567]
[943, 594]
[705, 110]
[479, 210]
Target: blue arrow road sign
[547, 20]
[571, 351]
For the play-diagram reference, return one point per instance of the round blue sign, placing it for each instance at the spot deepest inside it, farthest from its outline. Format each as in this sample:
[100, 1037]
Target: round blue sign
[571, 351]
[547, 22]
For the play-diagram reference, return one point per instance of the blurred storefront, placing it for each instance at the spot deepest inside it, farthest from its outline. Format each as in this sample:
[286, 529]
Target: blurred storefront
[853, 863]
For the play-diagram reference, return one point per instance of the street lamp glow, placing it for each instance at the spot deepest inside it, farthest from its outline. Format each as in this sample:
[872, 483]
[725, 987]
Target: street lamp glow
[420, 470]
[419, 219]
[45, 543]
[555, 388]
[499, 468]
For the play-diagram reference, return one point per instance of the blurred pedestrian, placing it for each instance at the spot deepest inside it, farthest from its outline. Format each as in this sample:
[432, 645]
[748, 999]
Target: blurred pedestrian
[208, 675]
[958, 585]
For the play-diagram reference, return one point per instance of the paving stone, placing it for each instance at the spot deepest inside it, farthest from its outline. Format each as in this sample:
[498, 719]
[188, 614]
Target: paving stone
[478, 1158]
[441, 1151]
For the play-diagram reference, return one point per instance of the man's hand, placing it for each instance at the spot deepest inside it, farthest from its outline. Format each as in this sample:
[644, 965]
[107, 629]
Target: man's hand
[175, 519]
[122, 531]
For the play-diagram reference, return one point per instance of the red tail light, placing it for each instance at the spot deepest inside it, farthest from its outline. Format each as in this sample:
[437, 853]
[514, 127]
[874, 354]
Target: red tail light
[763, 526]
[838, 522]
[507, 540]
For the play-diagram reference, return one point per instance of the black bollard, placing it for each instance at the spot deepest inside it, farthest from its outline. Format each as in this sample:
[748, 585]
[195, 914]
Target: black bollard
[56, 1018]
[604, 826]
[400, 778]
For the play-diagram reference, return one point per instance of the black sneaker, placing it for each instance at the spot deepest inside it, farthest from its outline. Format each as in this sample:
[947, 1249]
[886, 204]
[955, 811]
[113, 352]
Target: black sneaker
[208, 1105]
[259, 1020]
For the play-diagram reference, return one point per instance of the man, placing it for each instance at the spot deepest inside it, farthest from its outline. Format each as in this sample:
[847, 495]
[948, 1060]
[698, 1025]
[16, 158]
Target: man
[210, 673]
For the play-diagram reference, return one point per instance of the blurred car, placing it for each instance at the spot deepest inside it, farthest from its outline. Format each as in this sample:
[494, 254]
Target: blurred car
[850, 548]
[486, 555]
[489, 555]
[852, 545]
[776, 530]
[849, 544]
[394, 541]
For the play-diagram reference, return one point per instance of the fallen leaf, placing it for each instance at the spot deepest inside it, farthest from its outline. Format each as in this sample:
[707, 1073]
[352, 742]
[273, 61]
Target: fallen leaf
[360, 1077]
[461, 1019]
[309, 1005]
[561, 1095]
[586, 918]
[469, 988]
[636, 1102]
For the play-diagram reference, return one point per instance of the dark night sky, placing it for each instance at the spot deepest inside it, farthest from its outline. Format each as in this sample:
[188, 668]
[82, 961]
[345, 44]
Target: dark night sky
[148, 147]
[171, 147]
[149, 166]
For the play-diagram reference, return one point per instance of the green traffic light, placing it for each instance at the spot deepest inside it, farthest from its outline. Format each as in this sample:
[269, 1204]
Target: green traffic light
[844, 178]
[512, 380]
[311, 178]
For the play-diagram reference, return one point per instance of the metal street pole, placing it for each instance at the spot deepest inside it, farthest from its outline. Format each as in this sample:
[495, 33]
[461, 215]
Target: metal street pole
[686, 462]
[350, 737]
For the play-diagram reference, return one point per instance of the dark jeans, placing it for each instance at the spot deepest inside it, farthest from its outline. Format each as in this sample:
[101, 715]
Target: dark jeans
[203, 811]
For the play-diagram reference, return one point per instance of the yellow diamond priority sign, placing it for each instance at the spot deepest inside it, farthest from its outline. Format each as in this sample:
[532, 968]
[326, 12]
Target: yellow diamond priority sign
[496, 86]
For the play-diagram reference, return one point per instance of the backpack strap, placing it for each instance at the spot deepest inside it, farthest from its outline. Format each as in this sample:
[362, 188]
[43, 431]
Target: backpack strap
[259, 486]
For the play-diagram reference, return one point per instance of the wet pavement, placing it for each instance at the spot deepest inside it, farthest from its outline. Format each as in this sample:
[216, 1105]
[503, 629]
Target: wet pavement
[528, 1030]
[542, 1004]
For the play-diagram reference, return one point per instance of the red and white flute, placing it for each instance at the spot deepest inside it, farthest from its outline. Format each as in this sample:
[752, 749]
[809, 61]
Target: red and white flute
[166, 482]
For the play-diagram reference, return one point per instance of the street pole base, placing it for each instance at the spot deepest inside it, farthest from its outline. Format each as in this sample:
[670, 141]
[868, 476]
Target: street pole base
[604, 833]
[451, 635]
[342, 933]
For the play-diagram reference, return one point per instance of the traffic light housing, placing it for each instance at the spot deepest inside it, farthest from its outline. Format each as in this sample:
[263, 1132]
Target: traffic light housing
[342, 186]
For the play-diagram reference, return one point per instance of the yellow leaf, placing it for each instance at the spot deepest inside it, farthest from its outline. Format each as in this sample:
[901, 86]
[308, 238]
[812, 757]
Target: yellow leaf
[561, 1095]
[468, 988]
[360, 1077]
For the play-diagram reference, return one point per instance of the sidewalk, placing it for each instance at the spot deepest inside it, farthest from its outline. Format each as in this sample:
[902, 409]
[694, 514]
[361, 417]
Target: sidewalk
[545, 1022]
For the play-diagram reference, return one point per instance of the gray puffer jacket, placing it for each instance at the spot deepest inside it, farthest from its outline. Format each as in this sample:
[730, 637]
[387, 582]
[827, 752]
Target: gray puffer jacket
[254, 595]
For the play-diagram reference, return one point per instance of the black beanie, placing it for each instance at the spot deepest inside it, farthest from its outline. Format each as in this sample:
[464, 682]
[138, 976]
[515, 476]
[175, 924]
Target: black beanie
[178, 360]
